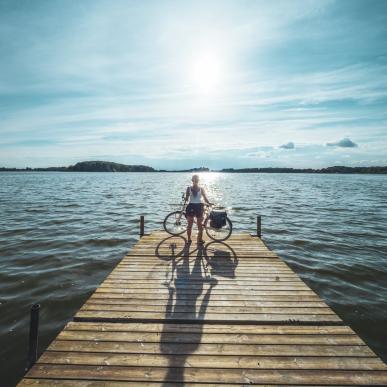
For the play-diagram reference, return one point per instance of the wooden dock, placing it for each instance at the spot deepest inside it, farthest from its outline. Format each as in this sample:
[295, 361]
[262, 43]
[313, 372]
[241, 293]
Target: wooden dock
[228, 314]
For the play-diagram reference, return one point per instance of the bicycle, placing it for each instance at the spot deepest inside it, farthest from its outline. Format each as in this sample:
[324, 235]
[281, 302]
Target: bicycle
[217, 224]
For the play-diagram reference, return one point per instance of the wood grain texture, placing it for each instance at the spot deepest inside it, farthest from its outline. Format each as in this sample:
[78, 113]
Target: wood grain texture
[230, 314]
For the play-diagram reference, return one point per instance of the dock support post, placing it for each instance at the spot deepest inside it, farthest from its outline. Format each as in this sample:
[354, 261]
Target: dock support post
[259, 229]
[142, 225]
[33, 339]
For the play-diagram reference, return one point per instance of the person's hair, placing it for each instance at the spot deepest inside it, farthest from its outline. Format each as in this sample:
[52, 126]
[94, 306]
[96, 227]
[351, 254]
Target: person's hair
[195, 177]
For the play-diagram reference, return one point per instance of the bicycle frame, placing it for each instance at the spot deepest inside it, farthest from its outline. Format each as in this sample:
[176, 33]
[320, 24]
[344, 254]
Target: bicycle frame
[183, 207]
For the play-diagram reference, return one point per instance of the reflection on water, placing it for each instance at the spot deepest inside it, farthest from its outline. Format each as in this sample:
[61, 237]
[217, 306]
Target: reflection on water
[61, 233]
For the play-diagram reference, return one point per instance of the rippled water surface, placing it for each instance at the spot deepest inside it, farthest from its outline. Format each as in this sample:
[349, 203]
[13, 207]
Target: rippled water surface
[62, 233]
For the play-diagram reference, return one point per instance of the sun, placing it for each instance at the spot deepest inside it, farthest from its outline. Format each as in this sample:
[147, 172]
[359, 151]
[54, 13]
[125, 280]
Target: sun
[207, 73]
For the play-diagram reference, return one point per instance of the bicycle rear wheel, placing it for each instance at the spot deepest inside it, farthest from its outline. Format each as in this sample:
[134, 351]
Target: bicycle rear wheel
[219, 234]
[175, 223]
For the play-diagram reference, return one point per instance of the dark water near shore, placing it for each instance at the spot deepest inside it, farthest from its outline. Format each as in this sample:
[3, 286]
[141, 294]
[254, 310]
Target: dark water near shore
[61, 234]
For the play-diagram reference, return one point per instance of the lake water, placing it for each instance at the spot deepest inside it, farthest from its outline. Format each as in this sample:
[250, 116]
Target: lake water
[62, 233]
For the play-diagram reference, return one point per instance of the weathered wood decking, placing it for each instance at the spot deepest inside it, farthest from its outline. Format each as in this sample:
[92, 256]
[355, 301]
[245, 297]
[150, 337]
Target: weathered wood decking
[231, 313]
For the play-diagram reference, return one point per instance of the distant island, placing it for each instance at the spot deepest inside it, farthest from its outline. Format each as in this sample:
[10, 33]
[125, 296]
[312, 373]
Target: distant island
[90, 166]
[108, 166]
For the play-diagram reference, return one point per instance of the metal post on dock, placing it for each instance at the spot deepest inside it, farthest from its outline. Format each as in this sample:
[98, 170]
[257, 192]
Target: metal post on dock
[259, 224]
[33, 339]
[142, 225]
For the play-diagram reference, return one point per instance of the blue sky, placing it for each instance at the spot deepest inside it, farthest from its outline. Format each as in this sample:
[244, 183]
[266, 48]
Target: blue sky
[176, 84]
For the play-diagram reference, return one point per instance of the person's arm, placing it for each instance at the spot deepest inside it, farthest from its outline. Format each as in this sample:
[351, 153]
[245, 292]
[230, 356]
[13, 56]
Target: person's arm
[205, 197]
[186, 195]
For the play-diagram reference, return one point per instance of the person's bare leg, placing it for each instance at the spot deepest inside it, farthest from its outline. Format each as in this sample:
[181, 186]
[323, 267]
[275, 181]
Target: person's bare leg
[200, 228]
[189, 226]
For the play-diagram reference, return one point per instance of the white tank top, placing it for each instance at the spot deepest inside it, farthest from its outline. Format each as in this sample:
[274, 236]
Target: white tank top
[193, 198]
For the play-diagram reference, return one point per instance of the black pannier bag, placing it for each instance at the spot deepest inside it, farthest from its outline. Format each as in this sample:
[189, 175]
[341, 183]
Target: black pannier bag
[218, 218]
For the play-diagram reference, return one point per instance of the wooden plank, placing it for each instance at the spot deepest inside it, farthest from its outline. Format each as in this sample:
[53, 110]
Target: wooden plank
[113, 383]
[253, 272]
[48, 382]
[182, 285]
[240, 261]
[209, 328]
[214, 298]
[228, 314]
[212, 349]
[214, 338]
[228, 303]
[204, 300]
[236, 291]
[219, 273]
[211, 317]
[205, 361]
[208, 375]
[221, 280]
[209, 310]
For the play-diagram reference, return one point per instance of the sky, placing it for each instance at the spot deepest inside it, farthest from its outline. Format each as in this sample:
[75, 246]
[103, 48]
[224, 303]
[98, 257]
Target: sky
[181, 84]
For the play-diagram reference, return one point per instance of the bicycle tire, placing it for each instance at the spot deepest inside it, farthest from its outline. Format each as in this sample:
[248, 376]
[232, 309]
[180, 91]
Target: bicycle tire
[228, 221]
[165, 223]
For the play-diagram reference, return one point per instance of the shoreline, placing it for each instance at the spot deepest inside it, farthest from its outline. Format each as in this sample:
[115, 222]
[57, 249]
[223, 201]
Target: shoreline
[109, 166]
[305, 172]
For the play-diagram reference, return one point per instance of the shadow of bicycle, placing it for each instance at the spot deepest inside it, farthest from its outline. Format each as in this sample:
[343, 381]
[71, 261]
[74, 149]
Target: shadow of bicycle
[171, 247]
[221, 259]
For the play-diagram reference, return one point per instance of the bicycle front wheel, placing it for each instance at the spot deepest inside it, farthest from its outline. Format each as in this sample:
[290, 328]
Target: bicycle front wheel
[220, 234]
[175, 223]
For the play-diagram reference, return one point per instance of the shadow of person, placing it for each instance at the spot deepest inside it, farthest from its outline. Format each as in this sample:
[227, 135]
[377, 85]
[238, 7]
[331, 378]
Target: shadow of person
[178, 340]
[221, 259]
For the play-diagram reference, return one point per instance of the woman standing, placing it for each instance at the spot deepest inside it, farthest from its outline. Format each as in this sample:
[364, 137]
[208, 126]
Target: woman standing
[194, 194]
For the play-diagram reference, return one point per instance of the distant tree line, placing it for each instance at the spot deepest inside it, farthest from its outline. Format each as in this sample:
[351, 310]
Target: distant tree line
[90, 166]
[335, 169]
[199, 169]
[108, 166]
